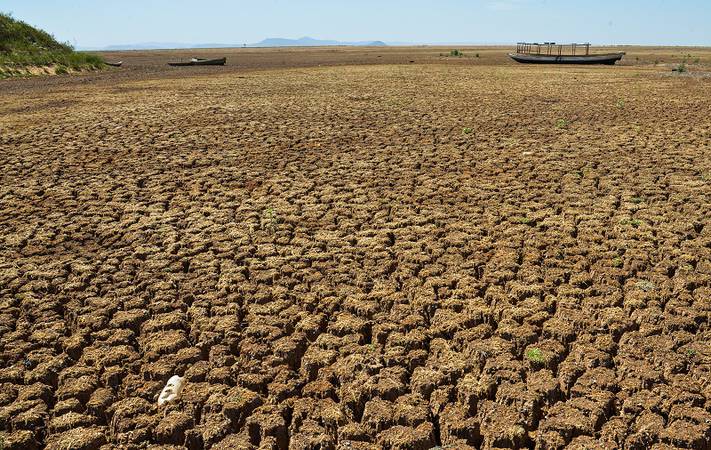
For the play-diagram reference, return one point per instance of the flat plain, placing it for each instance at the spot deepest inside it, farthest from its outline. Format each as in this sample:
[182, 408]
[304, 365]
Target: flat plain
[358, 249]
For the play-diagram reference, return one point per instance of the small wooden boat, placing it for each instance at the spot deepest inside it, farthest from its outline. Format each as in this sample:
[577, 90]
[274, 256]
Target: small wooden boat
[114, 64]
[552, 53]
[199, 62]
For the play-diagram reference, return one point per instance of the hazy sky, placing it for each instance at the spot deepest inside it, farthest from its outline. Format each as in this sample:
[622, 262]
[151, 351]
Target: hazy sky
[92, 23]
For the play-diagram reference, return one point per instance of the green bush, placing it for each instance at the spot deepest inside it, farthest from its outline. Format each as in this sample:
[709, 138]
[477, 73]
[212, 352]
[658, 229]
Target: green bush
[22, 45]
[456, 53]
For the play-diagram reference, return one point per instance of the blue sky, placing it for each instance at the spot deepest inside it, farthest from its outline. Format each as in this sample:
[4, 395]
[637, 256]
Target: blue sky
[92, 23]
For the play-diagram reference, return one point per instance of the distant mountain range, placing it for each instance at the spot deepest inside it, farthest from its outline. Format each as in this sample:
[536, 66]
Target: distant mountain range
[271, 42]
[311, 42]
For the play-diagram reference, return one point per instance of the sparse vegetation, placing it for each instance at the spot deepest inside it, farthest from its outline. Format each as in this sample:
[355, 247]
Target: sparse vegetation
[620, 103]
[270, 220]
[536, 355]
[645, 285]
[562, 123]
[23, 46]
[467, 130]
[522, 220]
[637, 200]
[456, 53]
[617, 262]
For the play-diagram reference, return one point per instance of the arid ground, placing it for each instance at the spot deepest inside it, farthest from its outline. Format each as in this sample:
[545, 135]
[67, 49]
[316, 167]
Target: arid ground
[344, 249]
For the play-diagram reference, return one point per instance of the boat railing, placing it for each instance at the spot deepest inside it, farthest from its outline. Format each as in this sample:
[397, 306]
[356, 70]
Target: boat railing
[552, 49]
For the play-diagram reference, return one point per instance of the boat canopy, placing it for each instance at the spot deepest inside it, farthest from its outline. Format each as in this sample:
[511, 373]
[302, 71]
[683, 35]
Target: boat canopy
[552, 49]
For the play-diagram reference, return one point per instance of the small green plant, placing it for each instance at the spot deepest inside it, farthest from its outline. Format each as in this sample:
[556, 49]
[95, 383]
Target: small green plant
[522, 220]
[270, 220]
[697, 60]
[681, 68]
[637, 200]
[456, 53]
[561, 123]
[617, 262]
[61, 70]
[706, 176]
[536, 355]
[467, 130]
[635, 223]
[646, 285]
[620, 103]
[690, 352]
[476, 55]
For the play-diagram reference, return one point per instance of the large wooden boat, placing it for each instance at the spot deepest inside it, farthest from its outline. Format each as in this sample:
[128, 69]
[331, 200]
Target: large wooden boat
[552, 53]
[200, 62]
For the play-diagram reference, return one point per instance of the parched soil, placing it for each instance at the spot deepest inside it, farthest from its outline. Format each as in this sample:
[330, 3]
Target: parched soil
[383, 256]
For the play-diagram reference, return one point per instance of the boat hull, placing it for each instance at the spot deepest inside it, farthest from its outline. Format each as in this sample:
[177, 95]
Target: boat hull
[608, 59]
[200, 62]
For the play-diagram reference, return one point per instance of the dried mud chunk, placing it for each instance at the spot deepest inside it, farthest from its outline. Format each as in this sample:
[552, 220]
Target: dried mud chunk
[99, 402]
[681, 433]
[599, 378]
[268, 422]
[70, 421]
[353, 432]
[348, 324]
[236, 404]
[75, 344]
[8, 393]
[410, 410]
[425, 380]
[378, 416]
[560, 330]
[19, 440]
[213, 428]
[234, 441]
[645, 430]
[310, 436]
[67, 406]
[500, 426]
[408, 438]
[164, 342]
[36, 391]
[34, 417]
[290, 349]
[124, 412]
[689, 427]
[314, 359]
[580, 416]
[457, 427]
[519, 335]
[129, 319]
[172, 428]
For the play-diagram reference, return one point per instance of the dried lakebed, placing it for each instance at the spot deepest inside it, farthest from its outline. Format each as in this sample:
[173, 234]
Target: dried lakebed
[395, 257]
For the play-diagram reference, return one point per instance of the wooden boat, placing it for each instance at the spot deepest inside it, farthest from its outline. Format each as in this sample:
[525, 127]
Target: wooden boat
[114, 64]
[552, 53]
[199, 62]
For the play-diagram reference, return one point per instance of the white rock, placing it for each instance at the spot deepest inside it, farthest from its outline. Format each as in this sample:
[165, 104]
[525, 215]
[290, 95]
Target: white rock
[171, 391]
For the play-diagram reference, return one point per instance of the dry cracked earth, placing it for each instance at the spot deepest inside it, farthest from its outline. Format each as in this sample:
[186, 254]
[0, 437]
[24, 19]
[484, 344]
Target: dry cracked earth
[358, 257]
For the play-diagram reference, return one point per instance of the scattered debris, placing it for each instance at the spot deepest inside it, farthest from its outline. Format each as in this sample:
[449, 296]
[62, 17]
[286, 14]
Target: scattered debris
[171, 391]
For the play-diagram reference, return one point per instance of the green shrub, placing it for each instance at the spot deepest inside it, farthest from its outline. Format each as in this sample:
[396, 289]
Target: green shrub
[22, 45]
[536, 355]
[456, 53]
[562, 123]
